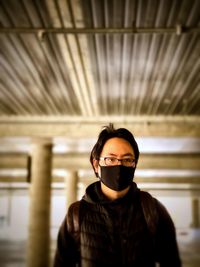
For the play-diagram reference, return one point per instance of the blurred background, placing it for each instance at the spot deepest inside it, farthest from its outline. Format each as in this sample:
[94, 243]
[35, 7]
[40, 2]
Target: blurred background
[70, 67]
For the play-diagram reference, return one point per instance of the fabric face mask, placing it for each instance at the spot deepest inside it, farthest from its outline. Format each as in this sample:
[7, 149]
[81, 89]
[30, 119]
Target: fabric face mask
[117, 177]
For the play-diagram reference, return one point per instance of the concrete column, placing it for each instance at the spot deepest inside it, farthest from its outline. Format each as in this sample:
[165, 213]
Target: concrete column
[39, 212]
[71, 181]
[195, 213]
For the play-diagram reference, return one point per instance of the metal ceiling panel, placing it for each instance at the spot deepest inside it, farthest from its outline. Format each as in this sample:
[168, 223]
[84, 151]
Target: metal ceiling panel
[151, 69]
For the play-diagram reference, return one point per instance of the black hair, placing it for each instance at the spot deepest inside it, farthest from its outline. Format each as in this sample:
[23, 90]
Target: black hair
[110, 132]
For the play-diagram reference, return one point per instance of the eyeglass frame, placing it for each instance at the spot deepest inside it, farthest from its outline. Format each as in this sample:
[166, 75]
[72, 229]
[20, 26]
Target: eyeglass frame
[133, 164]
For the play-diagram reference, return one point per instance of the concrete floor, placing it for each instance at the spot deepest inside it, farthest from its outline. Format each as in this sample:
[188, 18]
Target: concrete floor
[189, 246]
[13, 253]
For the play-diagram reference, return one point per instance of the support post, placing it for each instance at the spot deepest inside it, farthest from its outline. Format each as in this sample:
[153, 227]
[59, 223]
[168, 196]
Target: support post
[40, 196]
[71, 181]
[195, 213]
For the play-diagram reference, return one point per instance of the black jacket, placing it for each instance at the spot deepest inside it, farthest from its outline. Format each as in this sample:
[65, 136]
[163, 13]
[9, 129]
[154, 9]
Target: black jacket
[116, 233]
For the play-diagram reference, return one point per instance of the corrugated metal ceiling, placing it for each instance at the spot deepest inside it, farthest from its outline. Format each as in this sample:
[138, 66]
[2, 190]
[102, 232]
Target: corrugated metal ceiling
[152, 71]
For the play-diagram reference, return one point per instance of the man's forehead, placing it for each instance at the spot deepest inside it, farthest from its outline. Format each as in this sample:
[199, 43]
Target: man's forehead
[118, 146]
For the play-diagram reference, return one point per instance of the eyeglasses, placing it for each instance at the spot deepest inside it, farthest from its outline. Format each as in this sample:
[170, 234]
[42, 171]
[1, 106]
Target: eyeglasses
[111, 161]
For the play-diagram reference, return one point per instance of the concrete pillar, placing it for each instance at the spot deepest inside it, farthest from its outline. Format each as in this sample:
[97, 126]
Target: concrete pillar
[71, 181]
[40, 197]
[195, 213]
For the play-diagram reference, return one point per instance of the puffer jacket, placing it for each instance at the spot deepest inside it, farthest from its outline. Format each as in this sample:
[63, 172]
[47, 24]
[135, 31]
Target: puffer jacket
[115, 233]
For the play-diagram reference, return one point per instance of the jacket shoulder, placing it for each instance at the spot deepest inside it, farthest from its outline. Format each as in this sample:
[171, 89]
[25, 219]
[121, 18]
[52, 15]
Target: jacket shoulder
[150, 211]
[154, 211]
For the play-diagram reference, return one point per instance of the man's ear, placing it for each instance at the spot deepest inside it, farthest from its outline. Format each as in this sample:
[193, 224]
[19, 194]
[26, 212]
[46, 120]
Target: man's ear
[95, 165]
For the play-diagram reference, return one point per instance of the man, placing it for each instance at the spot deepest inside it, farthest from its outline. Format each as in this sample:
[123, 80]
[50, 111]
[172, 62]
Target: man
[116, 224]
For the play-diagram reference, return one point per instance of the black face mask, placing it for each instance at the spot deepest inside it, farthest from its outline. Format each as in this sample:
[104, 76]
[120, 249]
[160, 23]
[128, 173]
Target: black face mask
[117, 177]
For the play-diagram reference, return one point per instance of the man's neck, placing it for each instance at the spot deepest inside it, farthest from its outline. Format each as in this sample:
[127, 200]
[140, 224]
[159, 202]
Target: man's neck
[112, 194]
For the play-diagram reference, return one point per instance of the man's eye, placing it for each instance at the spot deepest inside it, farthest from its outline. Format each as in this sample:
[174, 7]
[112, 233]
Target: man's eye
[111, 159]
[128, 160]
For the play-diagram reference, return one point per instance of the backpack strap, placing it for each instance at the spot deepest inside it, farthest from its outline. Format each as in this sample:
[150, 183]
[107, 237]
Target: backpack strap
[72, 221]
[149, 210]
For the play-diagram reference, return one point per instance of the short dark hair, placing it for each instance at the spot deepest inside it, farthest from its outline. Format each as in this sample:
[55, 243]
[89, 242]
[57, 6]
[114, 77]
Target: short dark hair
[110, 132]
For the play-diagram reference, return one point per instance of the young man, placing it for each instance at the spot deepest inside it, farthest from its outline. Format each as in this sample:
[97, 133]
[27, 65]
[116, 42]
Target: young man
[116, 224]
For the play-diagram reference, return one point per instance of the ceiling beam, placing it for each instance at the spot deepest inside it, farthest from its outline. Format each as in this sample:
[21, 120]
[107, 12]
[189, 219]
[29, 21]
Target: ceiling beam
[85, 127]
[75, 161]
[160, 180]
[134, 30]
[157, 190]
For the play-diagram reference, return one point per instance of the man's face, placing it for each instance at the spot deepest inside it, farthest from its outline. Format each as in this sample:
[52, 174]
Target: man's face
[117, 148]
